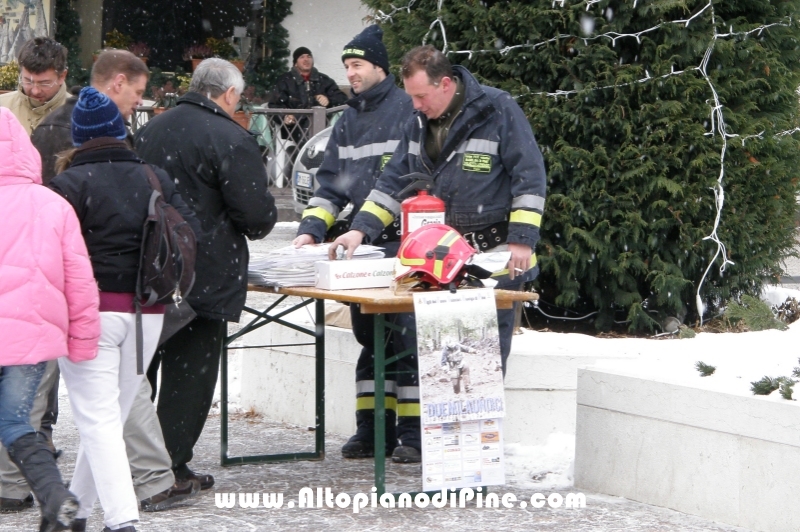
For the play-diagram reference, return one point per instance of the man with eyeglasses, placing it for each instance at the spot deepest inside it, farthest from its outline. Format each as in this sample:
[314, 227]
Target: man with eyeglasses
[43, 70]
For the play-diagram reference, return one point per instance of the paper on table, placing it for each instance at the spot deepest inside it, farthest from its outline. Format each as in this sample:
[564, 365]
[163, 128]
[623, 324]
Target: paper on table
[291, 266]
[491, 262]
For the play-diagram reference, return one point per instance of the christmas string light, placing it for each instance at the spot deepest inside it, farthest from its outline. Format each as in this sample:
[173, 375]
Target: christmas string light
[718, 125]
[380, 16]
[441, 24]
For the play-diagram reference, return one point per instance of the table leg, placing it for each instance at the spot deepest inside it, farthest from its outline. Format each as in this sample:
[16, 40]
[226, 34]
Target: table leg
[262, 319]
[223, 405]
[320, 376]
[380, 404]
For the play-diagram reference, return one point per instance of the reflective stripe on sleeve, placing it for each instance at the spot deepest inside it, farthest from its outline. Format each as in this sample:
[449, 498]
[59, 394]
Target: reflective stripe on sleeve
[388, 202]
[383, 215]
[413, 148]
[368, 150]
[325, 204]
[322, 214]
[526, 217]
[528, 201]
[488, 147]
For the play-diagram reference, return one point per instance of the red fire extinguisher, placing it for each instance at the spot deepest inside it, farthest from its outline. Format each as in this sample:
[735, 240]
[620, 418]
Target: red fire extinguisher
[421, 209]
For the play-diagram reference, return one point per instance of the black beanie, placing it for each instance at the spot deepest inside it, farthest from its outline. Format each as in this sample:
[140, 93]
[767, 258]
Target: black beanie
[368, 45]
[300, 51]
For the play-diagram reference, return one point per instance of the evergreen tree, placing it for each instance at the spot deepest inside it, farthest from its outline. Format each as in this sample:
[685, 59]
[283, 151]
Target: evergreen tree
[628, 101]
[67, 32]
[274, 42]
[705, 369]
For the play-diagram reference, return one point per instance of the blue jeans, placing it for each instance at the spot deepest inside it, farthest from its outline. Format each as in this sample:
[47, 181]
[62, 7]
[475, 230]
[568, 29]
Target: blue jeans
[18, 386]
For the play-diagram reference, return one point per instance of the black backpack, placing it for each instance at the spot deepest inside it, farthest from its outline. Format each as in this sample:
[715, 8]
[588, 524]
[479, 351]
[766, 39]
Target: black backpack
[166, 264]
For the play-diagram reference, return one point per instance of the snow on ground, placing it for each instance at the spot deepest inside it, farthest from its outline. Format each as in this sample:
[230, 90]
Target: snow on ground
[288, 225]
[542, 467]
[740, 358]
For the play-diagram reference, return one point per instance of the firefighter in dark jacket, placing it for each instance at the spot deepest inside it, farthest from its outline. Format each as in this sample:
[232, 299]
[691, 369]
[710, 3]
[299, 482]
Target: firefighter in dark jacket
[477, 145]
[217, 168]
[361, 143]
[304, 87]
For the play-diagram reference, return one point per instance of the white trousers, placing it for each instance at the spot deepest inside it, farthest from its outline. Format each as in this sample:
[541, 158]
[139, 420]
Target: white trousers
[101, 392]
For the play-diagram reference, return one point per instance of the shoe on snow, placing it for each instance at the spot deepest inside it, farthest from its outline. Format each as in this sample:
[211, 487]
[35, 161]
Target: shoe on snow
[404, 454]
[358, 449]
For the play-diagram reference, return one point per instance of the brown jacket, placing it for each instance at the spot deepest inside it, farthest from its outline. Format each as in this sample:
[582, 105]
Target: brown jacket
[30, 112]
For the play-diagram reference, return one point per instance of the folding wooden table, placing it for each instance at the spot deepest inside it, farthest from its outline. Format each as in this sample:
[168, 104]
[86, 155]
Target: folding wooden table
[377, 301]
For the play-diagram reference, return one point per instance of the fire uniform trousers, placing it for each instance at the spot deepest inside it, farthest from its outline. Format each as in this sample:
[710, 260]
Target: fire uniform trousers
[361, 144]
[490, 173]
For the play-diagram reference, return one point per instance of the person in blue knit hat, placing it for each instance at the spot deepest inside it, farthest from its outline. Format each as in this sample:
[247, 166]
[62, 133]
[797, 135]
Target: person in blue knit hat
[107, 185]
[95, 116]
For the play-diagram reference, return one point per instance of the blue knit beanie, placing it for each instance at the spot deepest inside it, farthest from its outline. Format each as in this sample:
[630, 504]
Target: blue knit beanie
[95, 115]
[368, 45]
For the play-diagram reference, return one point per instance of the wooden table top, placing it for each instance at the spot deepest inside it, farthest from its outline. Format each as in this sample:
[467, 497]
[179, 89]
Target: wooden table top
[382, 300]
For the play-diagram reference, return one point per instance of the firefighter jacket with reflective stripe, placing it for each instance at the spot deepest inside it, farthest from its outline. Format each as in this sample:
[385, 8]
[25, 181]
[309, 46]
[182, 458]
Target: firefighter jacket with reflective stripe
[361, 143]
[490, 170]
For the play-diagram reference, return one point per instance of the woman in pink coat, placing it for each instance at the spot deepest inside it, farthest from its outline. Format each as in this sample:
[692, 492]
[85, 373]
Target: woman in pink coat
[48, 309]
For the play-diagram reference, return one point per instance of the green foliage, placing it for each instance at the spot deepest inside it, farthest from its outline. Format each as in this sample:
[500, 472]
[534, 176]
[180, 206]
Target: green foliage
[704, 369]
[631, 144]
[796, 370]
[166, 87]
[755, 314]
[274, 41]
[221, 48]
[766, 385]
[67, 32]
[9, 76]
[787, 388]
[117, 39]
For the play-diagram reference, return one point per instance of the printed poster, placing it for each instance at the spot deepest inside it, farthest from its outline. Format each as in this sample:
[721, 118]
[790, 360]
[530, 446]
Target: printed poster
[462, 400]
[20, 21]
[458, 349]
[464, 454]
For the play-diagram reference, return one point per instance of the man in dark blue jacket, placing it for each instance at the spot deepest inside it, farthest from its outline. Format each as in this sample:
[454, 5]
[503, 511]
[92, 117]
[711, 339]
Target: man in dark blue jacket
[361, 143]
[477, 145]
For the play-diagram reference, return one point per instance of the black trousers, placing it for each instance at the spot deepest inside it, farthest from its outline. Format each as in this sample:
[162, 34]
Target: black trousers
[189, 364]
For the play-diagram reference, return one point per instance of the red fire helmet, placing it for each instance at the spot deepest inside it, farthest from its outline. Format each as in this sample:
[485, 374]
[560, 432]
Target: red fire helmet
[435, 254]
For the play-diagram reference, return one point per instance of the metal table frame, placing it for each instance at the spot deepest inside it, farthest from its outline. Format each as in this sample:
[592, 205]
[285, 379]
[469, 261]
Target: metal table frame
[373, 301]
[261, 319]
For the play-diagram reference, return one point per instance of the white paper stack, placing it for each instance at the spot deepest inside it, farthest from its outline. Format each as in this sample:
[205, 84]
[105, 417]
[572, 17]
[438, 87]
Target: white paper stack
[290, 266]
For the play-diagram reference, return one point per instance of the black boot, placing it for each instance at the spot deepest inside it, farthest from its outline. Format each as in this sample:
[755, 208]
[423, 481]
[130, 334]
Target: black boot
[408, 432]
[38, 465]
[362, 443]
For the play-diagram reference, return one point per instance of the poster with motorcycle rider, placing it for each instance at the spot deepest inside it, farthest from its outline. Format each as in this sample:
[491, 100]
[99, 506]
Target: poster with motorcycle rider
[458, 349]
[462, 401]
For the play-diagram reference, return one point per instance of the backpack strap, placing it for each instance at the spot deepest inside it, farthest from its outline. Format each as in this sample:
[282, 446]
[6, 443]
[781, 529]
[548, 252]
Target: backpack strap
[139, 338]
[152, 178]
